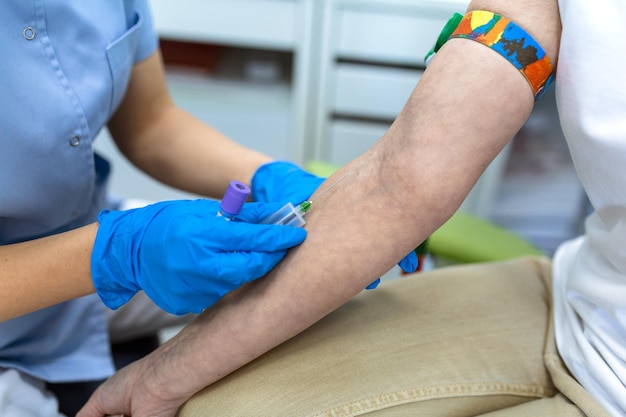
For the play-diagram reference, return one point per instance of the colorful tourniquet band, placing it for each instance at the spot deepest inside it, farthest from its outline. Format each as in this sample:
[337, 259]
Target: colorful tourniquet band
[510, 41]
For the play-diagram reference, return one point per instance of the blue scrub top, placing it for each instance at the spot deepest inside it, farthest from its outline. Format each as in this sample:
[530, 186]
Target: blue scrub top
[65, 67]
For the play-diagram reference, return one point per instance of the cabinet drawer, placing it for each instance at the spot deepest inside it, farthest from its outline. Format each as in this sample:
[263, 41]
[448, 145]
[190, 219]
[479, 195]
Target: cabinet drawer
[371, 91]
[385, 36]
[349, 139]
[253, 23]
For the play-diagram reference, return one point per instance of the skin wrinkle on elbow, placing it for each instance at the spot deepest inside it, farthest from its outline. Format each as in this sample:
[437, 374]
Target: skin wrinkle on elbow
[404, 176]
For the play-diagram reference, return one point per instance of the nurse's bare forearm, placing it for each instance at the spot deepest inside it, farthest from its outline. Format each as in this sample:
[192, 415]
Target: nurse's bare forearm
[46, 271]
[186, 153]
[173, 146]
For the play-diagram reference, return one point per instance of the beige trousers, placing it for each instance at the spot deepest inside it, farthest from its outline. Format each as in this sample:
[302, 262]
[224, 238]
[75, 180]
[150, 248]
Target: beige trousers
[472, 340]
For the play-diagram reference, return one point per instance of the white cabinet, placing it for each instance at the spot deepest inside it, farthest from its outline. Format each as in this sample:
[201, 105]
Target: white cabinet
[260, 23]
[392, 32]
[267, 25]
[371, 57]
[364, 90]
[347, 138]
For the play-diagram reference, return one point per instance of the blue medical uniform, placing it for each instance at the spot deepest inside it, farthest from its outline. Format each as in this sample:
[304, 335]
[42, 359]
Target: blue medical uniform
[64, 69]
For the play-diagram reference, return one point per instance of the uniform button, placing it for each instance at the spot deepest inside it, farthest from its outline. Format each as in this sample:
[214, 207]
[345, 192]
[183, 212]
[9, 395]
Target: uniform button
[75, 141]
[29, 33]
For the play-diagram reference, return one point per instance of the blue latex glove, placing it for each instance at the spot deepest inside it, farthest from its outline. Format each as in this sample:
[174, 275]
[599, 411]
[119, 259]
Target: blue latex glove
[182, 255]
[283, 181]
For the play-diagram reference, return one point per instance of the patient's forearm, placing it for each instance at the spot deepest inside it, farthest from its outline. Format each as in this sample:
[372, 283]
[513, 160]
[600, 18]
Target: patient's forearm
[393, 198]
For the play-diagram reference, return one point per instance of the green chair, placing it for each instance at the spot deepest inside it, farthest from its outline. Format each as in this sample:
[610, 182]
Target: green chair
[464, 238]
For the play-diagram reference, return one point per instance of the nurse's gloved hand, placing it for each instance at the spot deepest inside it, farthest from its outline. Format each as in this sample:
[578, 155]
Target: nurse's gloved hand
[182, 255]
[282, 181]
[285, 181]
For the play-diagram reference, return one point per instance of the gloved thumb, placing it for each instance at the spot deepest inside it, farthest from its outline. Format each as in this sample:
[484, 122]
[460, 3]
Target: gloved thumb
[409, 263]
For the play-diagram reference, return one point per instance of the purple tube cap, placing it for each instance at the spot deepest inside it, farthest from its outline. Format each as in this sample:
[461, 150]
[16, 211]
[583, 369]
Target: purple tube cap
[236, 194]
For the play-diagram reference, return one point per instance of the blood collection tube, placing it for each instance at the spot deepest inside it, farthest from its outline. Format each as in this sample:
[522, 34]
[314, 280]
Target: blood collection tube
[235, 196]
